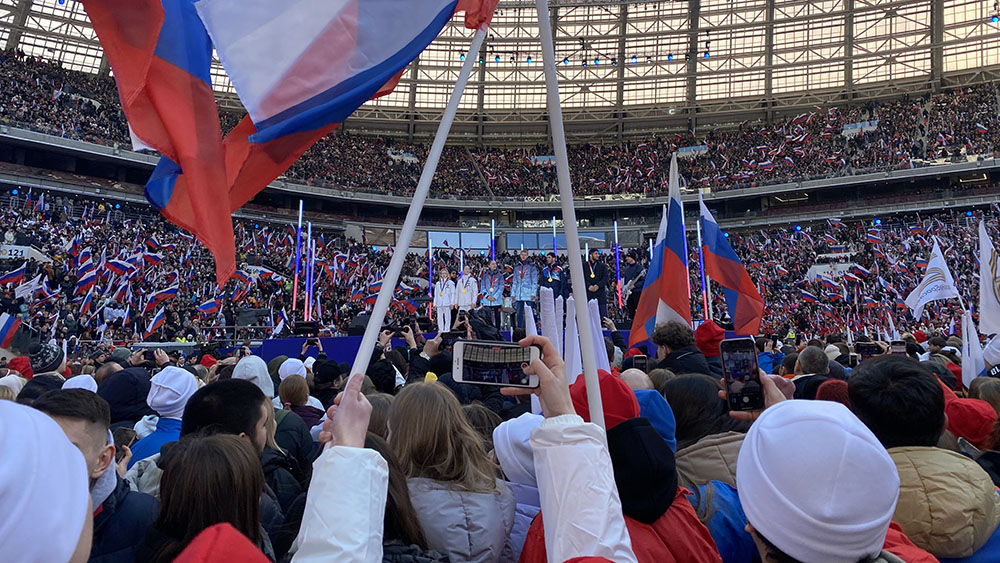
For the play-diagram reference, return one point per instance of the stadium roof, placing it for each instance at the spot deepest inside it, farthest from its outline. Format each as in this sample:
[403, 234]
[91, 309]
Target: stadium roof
[631, 68]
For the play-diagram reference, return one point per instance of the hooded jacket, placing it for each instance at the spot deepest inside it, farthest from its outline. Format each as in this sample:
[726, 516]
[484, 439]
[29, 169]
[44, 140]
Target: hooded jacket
[126, 392]
[121, 523]
[713, 458]
[947, 503]
[687, 359]
[471, 527]
[511, 440]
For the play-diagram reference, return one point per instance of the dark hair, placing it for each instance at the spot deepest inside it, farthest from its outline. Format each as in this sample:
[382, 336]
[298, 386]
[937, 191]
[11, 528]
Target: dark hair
[229, 407]
[207, 480]
[38, 386]
[80, 404]
[815, 342]
[378, 422]
[401, 521]
[106, 370]
[698, 410]
[673, 335]
[899, 400]
[789, 362]
[775, 555]
[813, 360]
[483, 421]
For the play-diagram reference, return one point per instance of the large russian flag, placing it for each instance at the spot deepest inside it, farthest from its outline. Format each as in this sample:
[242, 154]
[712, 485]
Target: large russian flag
[723, 266]
[14, 276]
[8, 329]
[300, 68]
[666, 294]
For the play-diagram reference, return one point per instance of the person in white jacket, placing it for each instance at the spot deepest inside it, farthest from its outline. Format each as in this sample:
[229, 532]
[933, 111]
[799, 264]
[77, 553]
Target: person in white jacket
[466, 291]
[444, 300]
[346, 503]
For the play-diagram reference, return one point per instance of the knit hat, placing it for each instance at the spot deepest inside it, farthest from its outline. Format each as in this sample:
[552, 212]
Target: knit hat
[325, 371]
[920, 336]
[954, 342]
[654, 407]
[383, 376]
[618, 400]
[43, 480]
[272, 366]
[170, 390]
[291, 366]
[22, 365]
[849, 519]
[254, 370]
[708, 337]
[46, 357]
[83, 381]
[208, 360]
[832, 352]
[834, 390]
[38, 386]
[512, 444]
[120, 354]
[972, 419]
[14, 382]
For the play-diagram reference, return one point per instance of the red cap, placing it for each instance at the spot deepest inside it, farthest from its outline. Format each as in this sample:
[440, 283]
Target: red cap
[834, 390]
[617, 398]
[708, 337]
[221, 543]
[972, 419]
[208, 361]
[633, 351]
[920, 336]
[22, 365]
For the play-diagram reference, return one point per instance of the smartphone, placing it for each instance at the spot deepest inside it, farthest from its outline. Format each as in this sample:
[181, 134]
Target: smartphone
[448, 338]
[867, 349]
[739, 366]
[897, 347]
[149, 355]
[853, 360]
[641, 363]
[494, 363]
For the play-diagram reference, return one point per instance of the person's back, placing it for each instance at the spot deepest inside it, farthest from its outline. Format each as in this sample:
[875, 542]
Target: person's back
[169, 391]
[947, 502]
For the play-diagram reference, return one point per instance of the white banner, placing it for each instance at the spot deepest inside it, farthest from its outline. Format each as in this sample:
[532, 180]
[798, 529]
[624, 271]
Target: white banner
[937, 284]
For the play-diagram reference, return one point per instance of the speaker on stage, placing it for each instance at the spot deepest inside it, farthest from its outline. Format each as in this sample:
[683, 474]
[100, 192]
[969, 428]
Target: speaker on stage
[357, 326]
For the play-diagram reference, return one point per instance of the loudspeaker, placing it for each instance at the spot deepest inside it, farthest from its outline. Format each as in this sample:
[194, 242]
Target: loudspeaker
[303, 328]
[357, 326]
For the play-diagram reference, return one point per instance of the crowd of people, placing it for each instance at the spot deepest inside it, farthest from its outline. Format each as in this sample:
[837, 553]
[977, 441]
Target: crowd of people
[948, 126]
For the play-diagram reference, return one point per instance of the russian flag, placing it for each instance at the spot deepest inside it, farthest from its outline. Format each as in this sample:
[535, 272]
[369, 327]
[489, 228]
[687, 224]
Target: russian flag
[87, 302]
[827, 282]
[874, 237]
[859, 271]
[835, 223]
[300, 69]
[119, 267]
[85, 283]
[723, 266]
[153, 258]
[159, 297]
[15, 276]
[209, 307]
[828, 239]
[920, 263]
[155, 323]
[879, 254]
[8, 329]
[241, 276]
[808, 297]
[870, 303]
[666, 294]
[981, 128]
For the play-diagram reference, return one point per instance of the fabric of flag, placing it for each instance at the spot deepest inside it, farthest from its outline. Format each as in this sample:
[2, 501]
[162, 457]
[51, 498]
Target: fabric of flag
[119, 267]
[723, 266]
[859, 271]
[989, 284]
[153, 258]
[85, 283]
[209, 307]
[980, 128]
[937, 284]
[874, 237]
[155, 323]
[835, 223]
[827, 282]
[808, 297]
[14, 276]
[159, 297]
[88, 300]
[8, 329]
[666, 294]
[300, 69]
[973, 362]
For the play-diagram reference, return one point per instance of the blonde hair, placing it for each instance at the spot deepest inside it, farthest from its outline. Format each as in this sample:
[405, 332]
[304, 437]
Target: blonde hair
[6, 393]
[271, 426]
[433, 440]
[293, 391]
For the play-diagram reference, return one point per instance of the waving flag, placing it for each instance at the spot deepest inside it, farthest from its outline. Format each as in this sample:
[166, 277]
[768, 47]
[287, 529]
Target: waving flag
[937, 284]
[209, 307]
[666, 294]
[874, 237]
[155, 323]
[85, 283]
[973, 363]
[159, 297]
[809, 297]
[835, 223]
[989, 284]
[87, 302]
[8, 329]
[14, 276]
[300, 69]
[119, 267]
[723, 266]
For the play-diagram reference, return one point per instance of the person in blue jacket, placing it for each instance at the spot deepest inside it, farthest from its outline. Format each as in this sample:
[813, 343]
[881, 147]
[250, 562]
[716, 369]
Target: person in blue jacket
[491, 288]
[552, 275]
[524, 288]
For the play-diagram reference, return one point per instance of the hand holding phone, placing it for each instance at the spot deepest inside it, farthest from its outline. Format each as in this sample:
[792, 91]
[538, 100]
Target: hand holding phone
[897, 347]
[742, 376]
[641, 363]
[494, 363]
[553, 388]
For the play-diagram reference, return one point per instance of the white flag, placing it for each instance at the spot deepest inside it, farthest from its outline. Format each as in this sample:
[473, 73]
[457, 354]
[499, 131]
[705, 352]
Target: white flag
[27, 288]
[973, 364]
[989, 284]
[937, 284]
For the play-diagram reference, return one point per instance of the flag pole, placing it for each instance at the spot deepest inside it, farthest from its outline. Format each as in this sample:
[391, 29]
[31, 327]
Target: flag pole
[569, 214]
[298, 256]
[555, 245]
[309, 237]
[705, 288]
[493, 239]
[430, 276]
[391, 277]
[618, 267]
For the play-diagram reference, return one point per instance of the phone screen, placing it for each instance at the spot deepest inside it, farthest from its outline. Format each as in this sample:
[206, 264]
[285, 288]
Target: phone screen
[897, 347]
[496, 365]
[448, 338]
[739, 364]
[867, 349]
[641, 363]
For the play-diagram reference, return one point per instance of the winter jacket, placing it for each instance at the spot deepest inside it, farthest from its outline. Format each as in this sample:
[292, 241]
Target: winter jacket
[551, 277]
[527, 506]
[397, 552]
[279, 476]
[466, 292]
[444, 293]
[345, 508]
[807, 385]
[491, 284]
[292, 436]
[121, 523]
[167, 430]
[767, 361]
[719, 506]
[469, 527]
[715, 366]
[687, 359]
[524, 286]
[145, 475]
[713, 458]
[947, 503]
[126, 391]
[310, 415]
[661, 523]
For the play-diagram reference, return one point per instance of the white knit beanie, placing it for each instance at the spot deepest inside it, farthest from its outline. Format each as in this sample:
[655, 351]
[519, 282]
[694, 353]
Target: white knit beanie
[816, 483]
[170, 390]
[512, 444]
[82, 381]
[291, 366]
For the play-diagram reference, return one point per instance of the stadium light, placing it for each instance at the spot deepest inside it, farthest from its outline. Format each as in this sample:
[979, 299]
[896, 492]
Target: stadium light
[497, 58]
[118, 206]
[706, 54]
[528, 60]
[14, 191]
[725, 235]
[798, 227]
[461, 57]
[256, 225]
[995, 18]
[968, 214]
[878, 221]
[635, 59]
[597, 60]
[565, 60]
[670, 56]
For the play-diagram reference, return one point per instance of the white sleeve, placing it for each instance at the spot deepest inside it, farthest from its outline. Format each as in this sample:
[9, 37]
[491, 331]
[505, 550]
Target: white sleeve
[576, 485]
[345, 508]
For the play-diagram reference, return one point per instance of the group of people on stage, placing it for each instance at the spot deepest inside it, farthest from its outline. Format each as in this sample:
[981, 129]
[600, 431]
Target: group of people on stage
[458, 293]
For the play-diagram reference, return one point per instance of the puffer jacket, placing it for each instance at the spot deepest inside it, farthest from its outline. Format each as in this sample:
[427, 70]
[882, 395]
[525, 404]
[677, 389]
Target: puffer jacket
[947, 503]
[469, 527]
[713, 458]
[398, 552]
[144, 476]
[121, 523]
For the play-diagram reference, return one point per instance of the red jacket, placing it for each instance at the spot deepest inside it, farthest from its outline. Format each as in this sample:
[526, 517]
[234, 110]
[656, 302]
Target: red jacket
[676, 537]
[897, 543]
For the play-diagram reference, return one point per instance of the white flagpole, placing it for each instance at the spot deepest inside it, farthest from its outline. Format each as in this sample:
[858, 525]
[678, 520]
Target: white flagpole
[391, 277]
[569, 214]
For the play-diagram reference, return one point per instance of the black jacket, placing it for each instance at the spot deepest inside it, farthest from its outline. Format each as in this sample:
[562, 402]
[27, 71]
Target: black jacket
[645, 470]
[595, 275]
[293, 436]
[121, 524]
[395, 551]
[806, 386]
[279, 474]
[688, 359]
